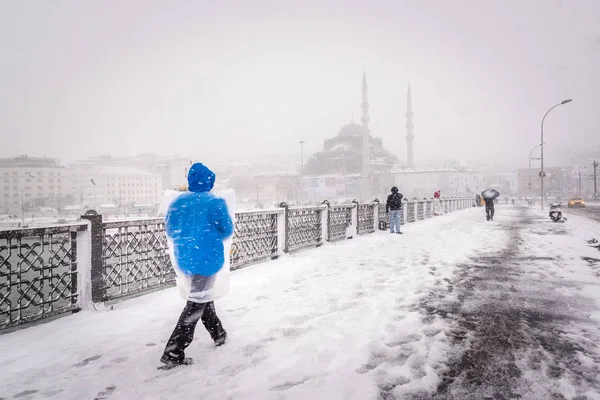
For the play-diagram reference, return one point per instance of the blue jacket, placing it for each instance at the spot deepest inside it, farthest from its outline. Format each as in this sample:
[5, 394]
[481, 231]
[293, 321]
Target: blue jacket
[198, 222]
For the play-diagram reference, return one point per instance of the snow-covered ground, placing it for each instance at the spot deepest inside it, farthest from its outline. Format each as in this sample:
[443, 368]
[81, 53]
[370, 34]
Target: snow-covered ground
[456, 308]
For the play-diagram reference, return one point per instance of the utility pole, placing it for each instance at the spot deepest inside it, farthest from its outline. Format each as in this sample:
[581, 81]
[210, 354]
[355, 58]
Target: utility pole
[22, 210]
[257, 202]
[302, 172]
[579, 192]
[595, 186]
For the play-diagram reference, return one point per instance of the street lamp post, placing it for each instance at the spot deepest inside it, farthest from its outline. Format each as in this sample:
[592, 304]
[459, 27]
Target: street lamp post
[302, 171]
[530, 153]
[94, 188]
[579, 191]
[542, 173]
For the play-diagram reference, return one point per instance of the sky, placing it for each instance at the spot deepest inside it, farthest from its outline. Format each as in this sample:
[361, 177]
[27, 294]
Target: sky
[223, 80]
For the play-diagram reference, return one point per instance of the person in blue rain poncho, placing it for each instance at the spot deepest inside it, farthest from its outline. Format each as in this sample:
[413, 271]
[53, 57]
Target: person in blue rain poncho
[197, 222]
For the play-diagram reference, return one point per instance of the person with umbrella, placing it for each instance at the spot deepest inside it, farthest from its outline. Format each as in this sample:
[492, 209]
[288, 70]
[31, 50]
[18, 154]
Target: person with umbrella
[489, 196]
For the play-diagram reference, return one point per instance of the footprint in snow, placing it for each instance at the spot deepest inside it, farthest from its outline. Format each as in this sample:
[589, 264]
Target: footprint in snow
[24, 393]
[87, 361]
[288, 385]
[116, 361]
[105, 393]
[293, 332]
[52, 393]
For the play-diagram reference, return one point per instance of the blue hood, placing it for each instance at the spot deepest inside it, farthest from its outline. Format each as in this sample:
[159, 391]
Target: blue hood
[200, 178]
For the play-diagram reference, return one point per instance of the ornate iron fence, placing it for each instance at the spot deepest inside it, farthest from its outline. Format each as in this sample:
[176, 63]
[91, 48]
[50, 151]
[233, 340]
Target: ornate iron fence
[304, 228]
[38, 273]
[410, 209]
[339, 218]
[384, 218]
[255, 238]
[366, 218]
[134, 258]
[421, 210]
[428, 208]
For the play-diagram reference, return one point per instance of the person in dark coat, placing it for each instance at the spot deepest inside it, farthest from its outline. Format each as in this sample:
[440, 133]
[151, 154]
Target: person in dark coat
[489, 197]
[394, 208]
[197, 222]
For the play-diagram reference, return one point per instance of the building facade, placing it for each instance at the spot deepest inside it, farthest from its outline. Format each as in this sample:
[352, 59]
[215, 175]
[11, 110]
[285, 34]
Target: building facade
[354, 150]
[335, 188]
[119, 186]
[451, 182]
[273, 189]
[560, 182]
[30, 182]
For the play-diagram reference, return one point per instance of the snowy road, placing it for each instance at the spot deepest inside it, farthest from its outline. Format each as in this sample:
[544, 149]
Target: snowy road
[456, 308]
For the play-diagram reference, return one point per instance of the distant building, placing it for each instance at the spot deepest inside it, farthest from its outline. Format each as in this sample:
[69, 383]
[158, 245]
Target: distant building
[173, 169]
[29, 182]
[423, 183]
[342, 154]
[273, 189]
[121, 185]
[560, 182]
[331, 187]
[354, 150]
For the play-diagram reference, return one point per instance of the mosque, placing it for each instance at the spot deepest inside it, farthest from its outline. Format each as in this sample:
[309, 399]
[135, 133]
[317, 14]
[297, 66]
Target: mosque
[356, 151]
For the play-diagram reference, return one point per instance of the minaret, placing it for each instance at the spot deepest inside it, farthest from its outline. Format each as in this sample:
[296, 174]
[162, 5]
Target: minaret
[365, 125]
[410, 162]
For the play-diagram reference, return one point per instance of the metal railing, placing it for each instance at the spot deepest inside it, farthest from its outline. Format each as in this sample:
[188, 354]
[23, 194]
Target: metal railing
[421, 210]
[255, 237]
[428, 208]
[304, 228]
[134, 258]
[410, 211]
[38, 273]
[44, 272]
[339, 218]
[366, 218]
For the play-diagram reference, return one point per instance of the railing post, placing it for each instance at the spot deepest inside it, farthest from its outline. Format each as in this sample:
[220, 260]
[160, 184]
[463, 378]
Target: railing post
[84, 267]
[326, 221]
[404, 213]
[282, 230]
[354, 220]
[97, 251]
[375, 215]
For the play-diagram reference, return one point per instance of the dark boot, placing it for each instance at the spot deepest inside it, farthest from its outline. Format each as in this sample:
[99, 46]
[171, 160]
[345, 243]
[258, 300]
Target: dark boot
[220, 340]
[170, 362]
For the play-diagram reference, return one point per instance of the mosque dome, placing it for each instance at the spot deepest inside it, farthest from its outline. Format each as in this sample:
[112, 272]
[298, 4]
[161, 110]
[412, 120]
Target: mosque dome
[350, 130]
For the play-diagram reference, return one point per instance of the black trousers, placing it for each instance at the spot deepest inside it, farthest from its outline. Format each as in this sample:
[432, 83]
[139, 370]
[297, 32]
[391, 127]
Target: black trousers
[489, 210]
[183, 334]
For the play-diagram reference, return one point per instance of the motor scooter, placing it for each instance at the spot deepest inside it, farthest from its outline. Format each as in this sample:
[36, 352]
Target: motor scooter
[556, 213]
